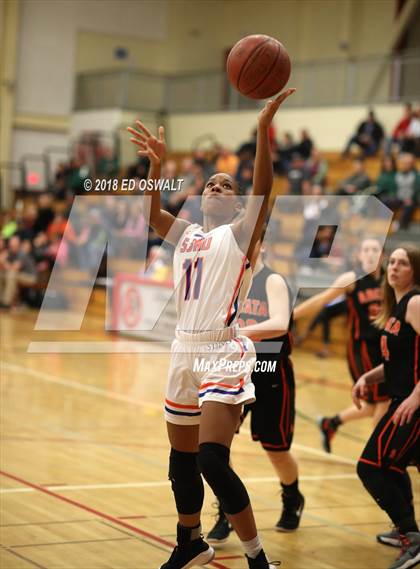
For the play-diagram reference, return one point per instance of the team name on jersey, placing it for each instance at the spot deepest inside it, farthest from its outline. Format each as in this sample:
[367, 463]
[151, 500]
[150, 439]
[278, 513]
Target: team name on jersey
[202, 244]
[369, 295]
[393, 326]
[255, 307]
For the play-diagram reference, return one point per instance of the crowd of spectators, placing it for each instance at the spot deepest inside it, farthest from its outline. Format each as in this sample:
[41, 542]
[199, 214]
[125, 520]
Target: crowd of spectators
[31, 237]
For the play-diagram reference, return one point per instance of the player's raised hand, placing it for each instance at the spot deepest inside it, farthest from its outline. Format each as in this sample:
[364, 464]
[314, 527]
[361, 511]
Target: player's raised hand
[150, 146]
[266, 115]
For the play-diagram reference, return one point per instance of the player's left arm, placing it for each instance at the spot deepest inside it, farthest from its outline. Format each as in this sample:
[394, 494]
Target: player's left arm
[409, 406]
[278, 309]
[262, 180]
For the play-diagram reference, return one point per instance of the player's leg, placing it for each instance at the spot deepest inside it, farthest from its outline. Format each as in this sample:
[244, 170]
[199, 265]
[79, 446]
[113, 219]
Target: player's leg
[379, 410]
[329, 426]
[182, 414]
[218, 424]
[383, 471]
[272, 423]
[188, 489]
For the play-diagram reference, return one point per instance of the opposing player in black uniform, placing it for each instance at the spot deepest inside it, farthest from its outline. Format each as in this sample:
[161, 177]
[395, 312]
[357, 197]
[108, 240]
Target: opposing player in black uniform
[364, 299]
[266, 317]
[395, 442]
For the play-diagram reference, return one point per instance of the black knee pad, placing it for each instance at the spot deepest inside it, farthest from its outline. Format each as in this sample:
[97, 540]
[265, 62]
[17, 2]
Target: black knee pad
[213, 460]
[186, 481]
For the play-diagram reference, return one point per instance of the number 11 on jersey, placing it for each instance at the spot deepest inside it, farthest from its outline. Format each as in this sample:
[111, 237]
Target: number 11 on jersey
[193, 270]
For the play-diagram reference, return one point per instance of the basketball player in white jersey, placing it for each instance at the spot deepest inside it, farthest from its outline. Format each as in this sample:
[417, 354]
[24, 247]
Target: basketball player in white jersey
[212, 275]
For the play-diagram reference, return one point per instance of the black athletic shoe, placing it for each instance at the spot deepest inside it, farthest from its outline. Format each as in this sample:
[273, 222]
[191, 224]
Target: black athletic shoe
[261, 562]
[391, 538]
[292, 512]
[327, 432]
[220, 531]
[190, 554]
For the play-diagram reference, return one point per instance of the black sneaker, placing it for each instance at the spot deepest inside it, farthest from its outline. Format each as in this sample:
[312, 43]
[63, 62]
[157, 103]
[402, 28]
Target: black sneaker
[327, 432]
[391, 538]
[261, 562]
[292, 512]
[220, 531]
[196, 552]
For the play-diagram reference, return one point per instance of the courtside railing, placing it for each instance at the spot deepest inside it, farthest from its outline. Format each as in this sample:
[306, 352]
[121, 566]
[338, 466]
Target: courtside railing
[364, 80]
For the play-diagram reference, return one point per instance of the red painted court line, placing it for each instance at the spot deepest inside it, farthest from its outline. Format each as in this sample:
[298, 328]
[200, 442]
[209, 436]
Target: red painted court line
[103, 515]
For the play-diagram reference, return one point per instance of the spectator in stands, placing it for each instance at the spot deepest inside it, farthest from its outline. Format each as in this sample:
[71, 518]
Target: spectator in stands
[193, 184]
[169, 172]
[335, 308]
[283, 153]
[248, 149]
[9, 225]
[92, 239]
[411, 142]
[26, 222]
[304, 147]
[226, 161]
[386, 187]
[407, 195]
[57, 227]
[296, 175]
[191, 210]
[42, 253]
[77, 174]
[400, 130]
[107, 165]
[139, 170]
[317, 168]
[45, 213]
[17, 268]
[200, 158]
[357, 181]
[244, 175]
[368, 136]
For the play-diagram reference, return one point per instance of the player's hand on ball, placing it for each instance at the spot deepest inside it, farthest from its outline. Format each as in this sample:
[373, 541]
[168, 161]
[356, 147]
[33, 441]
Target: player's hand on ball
[406, 410]
[359, 389]
[150, 146]
[266, 115]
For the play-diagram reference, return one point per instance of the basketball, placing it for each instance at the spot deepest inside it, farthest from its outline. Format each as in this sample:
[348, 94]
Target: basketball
[258, 66]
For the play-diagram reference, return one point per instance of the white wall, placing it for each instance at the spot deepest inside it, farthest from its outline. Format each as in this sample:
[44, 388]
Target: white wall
[47, 44]
[329, 127]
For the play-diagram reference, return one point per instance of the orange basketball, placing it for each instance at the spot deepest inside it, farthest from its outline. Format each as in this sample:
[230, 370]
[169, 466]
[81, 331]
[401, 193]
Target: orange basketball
[258, 66]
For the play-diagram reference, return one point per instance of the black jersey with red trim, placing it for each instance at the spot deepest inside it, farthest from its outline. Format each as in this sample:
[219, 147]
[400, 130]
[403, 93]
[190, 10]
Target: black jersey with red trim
[364, 303]
[255, 310]
[400, 346]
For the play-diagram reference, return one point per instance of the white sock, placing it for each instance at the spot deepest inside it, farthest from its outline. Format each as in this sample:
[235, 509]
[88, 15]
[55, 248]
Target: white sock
[252, 547]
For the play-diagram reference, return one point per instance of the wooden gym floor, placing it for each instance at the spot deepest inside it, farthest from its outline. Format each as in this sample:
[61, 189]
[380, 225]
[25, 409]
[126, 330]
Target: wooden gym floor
[84, 463]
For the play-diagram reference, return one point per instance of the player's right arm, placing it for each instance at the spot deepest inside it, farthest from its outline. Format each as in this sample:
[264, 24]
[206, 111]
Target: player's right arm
[278, 308]
[164, 223]
[342, 284]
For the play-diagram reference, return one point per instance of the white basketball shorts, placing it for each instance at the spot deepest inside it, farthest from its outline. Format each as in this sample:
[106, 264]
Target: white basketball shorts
[207, 371]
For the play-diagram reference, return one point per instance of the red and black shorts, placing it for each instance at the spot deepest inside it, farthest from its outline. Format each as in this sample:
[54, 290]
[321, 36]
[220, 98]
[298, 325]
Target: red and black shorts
[392, 446]
[362, 356]
[273, 412]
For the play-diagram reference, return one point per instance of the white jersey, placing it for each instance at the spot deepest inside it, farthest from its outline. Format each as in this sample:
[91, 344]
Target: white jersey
[212, 277]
